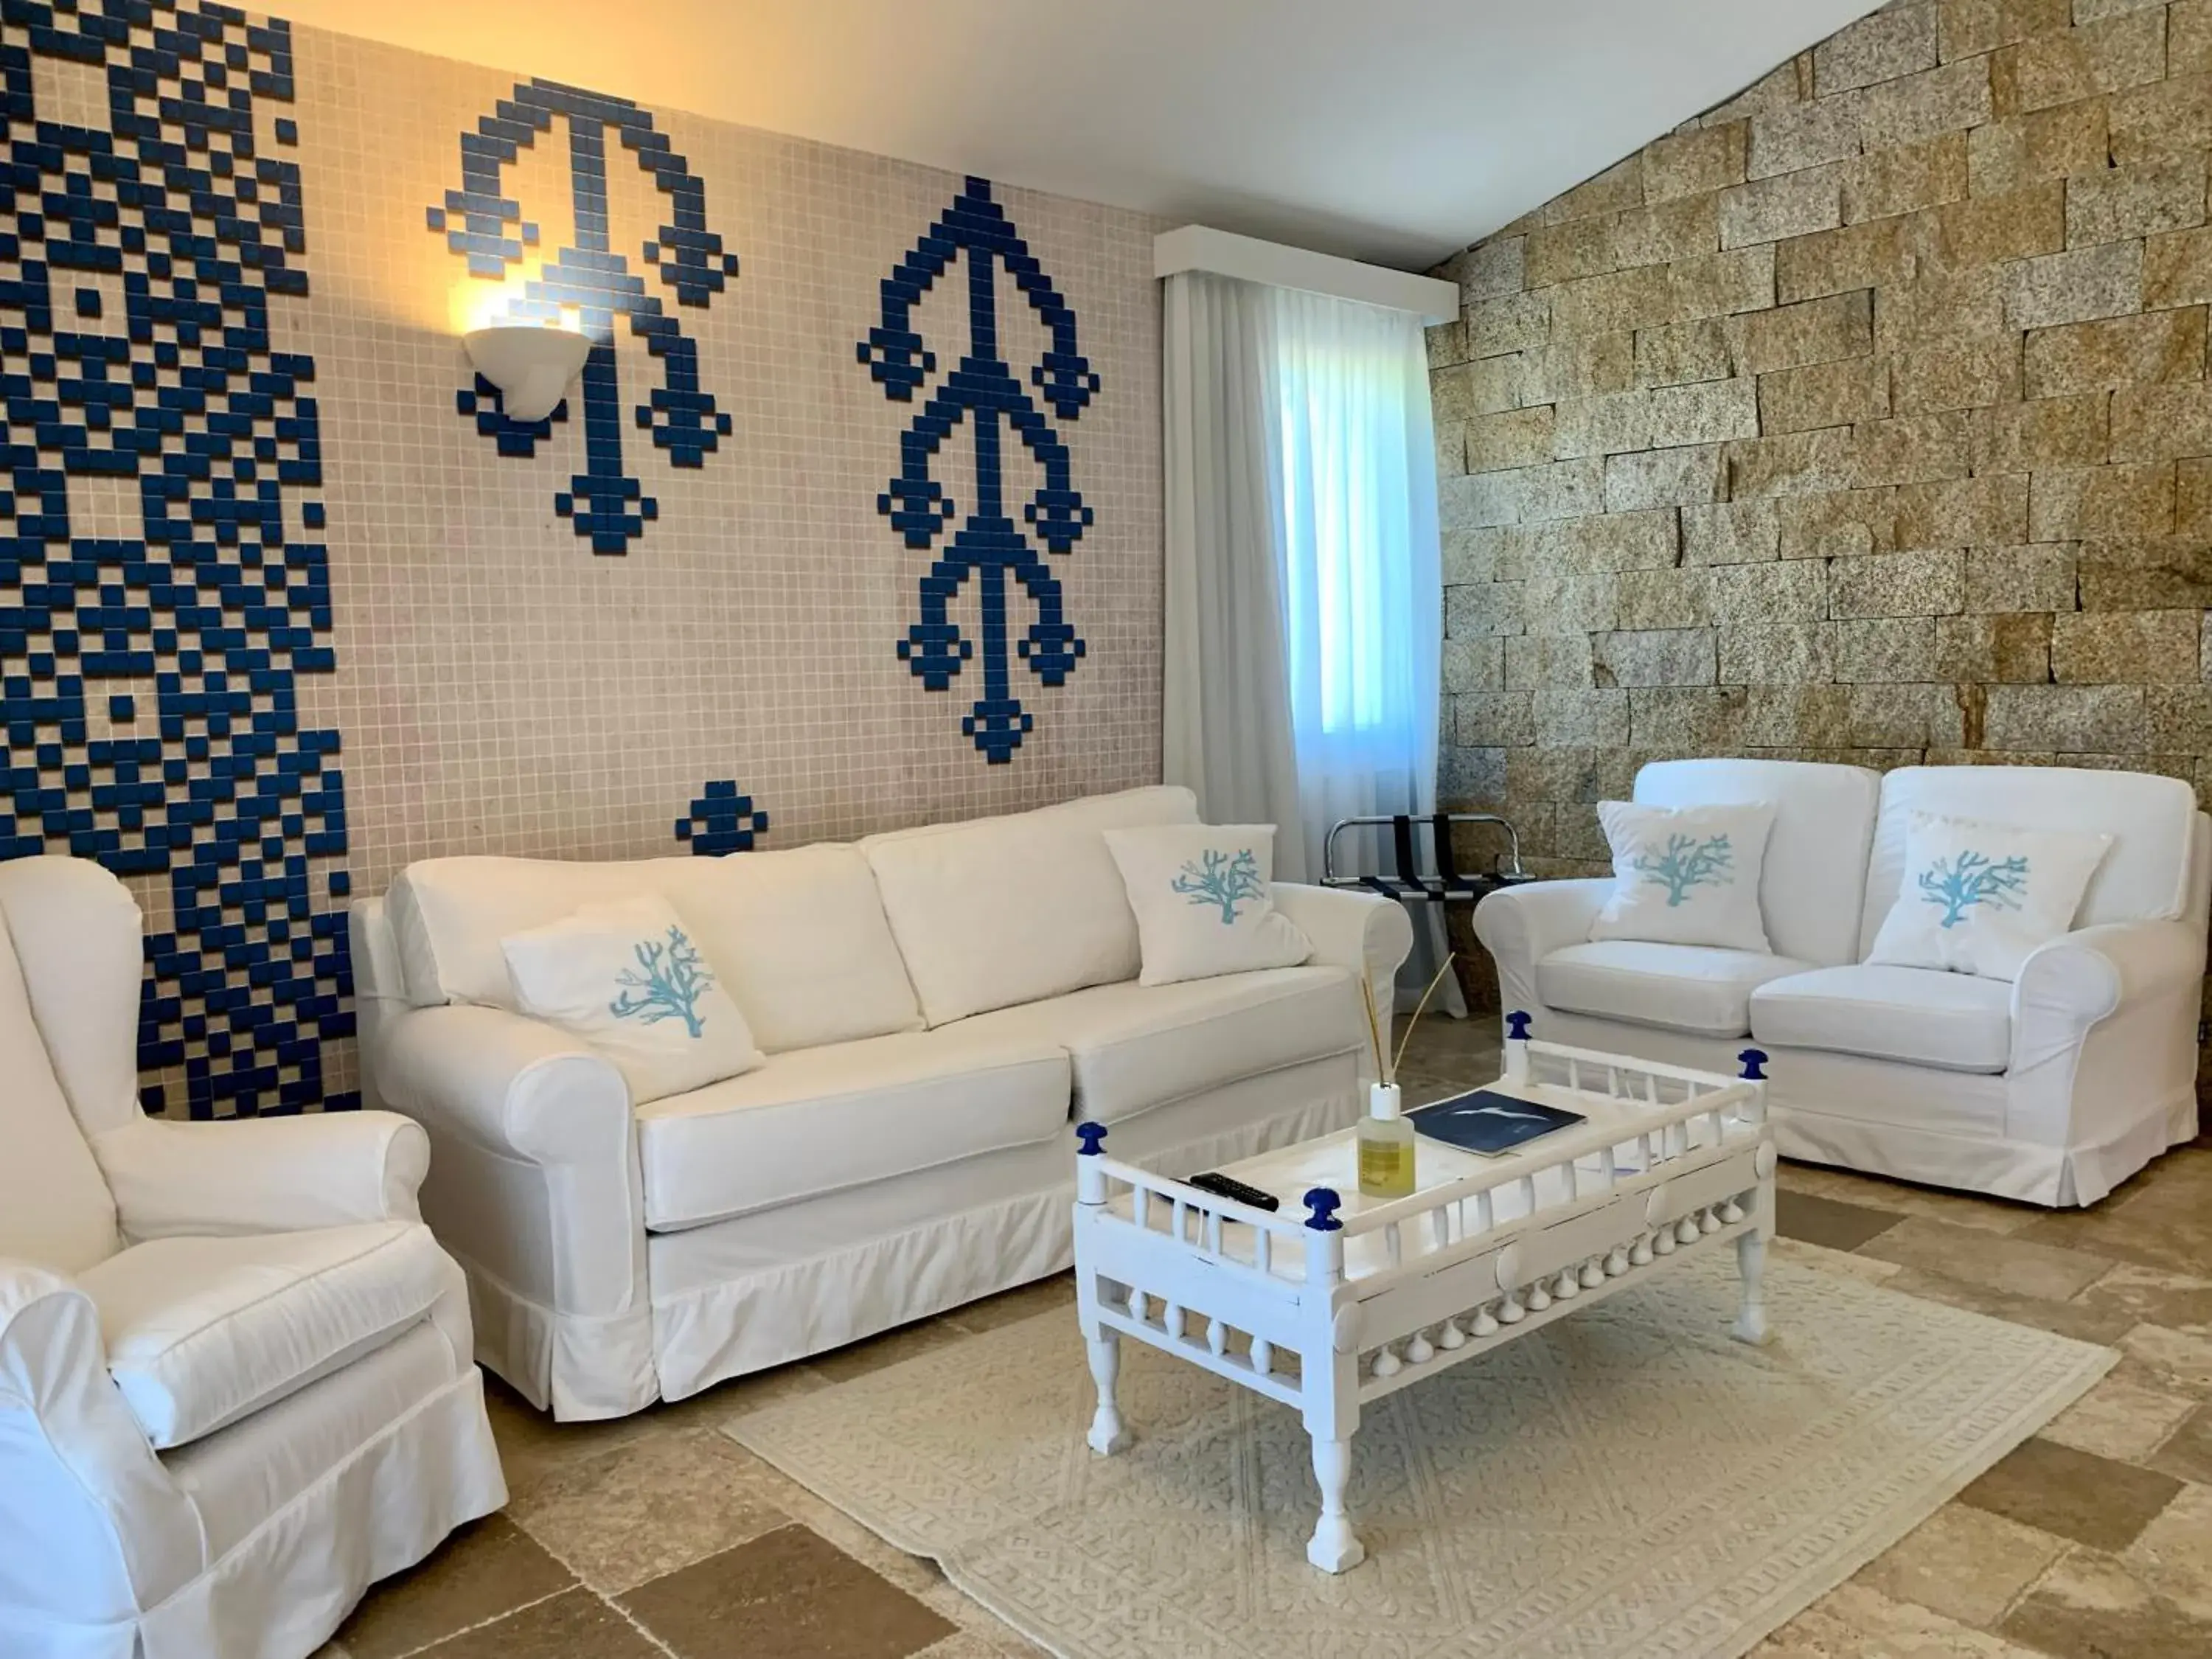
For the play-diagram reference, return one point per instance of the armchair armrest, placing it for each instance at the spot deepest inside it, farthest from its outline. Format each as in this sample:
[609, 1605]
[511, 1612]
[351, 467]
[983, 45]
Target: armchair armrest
[1363, 932]
[92, 1528]
[2104, 1020]
[267, 1175]
[1521, 926]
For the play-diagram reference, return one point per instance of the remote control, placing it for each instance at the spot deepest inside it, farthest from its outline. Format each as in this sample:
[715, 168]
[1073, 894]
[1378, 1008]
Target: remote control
[1222, 1186]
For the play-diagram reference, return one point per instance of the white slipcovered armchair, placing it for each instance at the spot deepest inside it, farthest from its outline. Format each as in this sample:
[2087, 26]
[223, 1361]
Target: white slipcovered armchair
[236, 1383]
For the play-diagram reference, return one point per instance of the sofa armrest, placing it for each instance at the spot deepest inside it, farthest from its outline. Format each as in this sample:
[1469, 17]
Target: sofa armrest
[534, 1167]
[2088, 974]
[264, 1175]
[2103, 1019]
[1363, 932]
[92, 1528]
[1521, 926]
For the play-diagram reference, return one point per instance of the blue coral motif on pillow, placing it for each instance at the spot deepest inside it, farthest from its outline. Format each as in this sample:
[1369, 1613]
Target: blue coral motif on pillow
[666, 984]
[1687, 863]
[1218, 878]
[1972, 878]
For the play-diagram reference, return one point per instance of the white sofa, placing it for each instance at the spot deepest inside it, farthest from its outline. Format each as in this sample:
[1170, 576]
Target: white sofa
[236, 1381]
[2052, 1090]
[936, 1005]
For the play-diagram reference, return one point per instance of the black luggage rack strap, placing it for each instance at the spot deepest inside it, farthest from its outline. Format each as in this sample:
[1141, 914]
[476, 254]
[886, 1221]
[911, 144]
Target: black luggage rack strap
[1448, 885]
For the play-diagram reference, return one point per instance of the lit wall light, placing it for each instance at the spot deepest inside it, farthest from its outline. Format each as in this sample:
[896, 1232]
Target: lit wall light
[532, 364]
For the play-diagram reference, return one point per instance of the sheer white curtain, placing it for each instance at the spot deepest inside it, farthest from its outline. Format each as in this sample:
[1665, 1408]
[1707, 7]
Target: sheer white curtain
[1363, 588]
[1227, 702]
[1304, 597]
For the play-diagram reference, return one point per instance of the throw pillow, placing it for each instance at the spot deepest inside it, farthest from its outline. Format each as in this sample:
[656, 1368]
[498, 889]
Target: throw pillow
[628, 979]
[1203, 903]
[1976, 897]
[1685, 875]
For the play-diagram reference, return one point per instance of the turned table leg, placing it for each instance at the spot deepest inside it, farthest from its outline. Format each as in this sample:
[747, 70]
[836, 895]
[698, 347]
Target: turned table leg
[1334, 1547]
[1750, 1265]
[1107, 1435]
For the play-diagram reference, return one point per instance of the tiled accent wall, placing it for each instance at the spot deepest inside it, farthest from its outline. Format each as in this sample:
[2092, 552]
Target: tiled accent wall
[1863, 418]
[493, 686]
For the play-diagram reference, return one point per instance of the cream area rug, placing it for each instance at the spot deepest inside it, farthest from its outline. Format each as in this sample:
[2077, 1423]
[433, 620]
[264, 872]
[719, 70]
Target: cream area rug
[1627, 1481]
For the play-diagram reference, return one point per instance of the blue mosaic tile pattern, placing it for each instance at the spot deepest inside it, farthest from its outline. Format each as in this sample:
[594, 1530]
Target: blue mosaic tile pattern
[149, 681]
[722, 821]
[983, 391]
[485, 226]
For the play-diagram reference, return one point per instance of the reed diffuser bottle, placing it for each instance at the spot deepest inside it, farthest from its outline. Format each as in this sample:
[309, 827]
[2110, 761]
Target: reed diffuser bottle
[1386, 1136]
[1386, 1145]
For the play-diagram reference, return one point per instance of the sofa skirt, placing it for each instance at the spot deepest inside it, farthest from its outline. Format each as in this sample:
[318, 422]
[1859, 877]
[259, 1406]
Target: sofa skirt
[763, 1290]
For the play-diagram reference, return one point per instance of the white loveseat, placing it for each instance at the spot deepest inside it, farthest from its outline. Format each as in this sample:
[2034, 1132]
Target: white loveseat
[936, 1005]
[236, 1383]
[2053, 1089]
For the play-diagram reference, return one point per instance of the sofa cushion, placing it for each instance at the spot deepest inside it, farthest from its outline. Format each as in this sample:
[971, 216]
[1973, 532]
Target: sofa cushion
[202, 1332]
[1923, 1016]
[797, 937]
[2144, 875]
[1683, 987]
[816, 1120]
[629, 979]
[1814, 878]
[1135, 1047]
[1005, 910]
[1204, 898]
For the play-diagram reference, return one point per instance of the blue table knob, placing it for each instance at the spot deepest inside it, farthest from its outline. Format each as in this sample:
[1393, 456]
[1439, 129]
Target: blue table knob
[1093, 1137]
[1754, 1062]
[1324, 1203]
[1516, 1026]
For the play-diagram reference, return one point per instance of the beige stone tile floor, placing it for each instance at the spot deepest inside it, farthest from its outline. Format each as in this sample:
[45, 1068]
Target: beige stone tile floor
[657, 1535]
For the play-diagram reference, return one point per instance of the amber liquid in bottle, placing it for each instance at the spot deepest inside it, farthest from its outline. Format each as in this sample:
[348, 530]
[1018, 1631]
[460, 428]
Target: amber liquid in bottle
[1386, 1146]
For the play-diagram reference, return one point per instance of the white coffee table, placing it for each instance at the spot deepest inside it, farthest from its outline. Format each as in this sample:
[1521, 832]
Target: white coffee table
[1374, 1294]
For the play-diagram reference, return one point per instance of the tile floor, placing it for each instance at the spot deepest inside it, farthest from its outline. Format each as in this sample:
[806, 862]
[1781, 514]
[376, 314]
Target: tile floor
[655, 1535]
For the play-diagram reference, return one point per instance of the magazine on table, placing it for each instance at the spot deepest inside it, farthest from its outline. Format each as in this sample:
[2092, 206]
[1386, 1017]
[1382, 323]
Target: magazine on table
[1487, 1122]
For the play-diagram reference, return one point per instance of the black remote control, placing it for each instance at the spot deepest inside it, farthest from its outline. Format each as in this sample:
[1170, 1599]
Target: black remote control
[1222, 1186]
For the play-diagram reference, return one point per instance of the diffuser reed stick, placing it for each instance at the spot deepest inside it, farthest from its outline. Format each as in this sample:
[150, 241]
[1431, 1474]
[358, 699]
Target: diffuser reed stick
[1420, 1008]
[1386, 1066]
[1382, 1068]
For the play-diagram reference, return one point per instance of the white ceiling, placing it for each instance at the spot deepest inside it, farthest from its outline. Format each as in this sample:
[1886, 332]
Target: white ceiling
[1394, 130]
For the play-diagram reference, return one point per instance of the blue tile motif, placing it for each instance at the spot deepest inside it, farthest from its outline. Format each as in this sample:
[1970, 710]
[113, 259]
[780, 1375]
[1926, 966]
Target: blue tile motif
[485, 226]
[188, 628]
[983, 391]
[722, 821]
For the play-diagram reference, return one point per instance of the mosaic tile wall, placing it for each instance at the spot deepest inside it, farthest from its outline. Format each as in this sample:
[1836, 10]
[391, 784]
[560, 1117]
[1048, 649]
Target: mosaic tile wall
[749, 659]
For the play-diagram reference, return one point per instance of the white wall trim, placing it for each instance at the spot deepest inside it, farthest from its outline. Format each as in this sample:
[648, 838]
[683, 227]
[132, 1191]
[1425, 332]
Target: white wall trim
[1196, 247]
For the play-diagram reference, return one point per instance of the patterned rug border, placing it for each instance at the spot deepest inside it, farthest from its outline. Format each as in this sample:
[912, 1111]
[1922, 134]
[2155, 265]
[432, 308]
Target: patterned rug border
[2072, 1367]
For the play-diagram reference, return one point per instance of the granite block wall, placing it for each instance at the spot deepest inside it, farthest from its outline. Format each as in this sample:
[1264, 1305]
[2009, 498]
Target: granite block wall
[1864, 417]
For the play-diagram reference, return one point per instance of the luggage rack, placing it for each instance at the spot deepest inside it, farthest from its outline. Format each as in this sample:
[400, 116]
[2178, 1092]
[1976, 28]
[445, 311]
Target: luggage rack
[1409, 885]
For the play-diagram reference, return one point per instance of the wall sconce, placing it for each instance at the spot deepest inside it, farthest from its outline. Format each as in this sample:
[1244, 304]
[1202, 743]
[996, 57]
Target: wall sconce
[530, 364]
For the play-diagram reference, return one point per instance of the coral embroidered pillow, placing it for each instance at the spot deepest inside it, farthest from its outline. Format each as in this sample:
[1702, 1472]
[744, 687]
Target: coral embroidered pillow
[1685, 875]
[629, 980]
[1977, 898]
[1203, 903]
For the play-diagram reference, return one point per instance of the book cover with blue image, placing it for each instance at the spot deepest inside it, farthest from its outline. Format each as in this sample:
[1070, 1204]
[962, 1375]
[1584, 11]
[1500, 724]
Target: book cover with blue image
[1490, 1123]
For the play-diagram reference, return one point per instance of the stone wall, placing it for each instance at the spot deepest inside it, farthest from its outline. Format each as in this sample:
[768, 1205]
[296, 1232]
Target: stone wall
[1863, 418]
